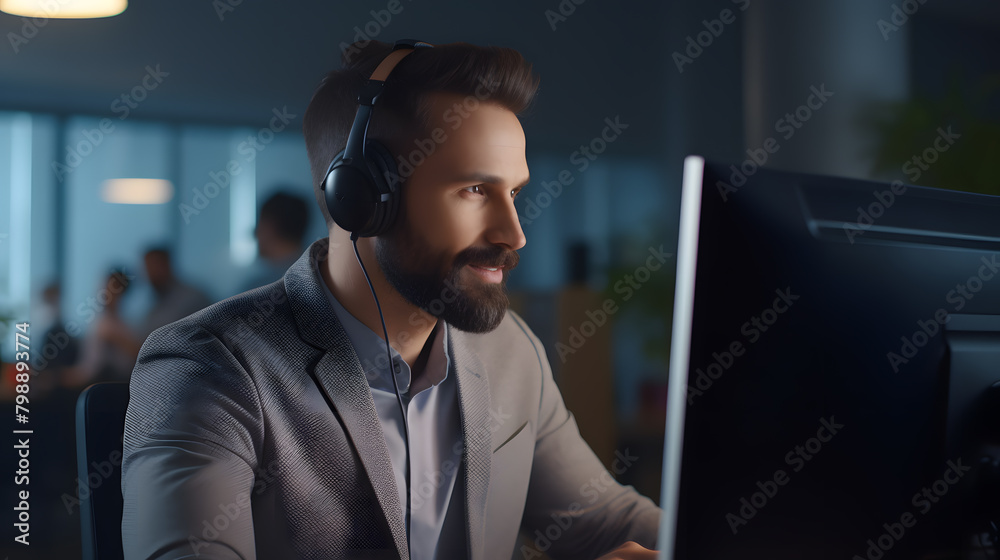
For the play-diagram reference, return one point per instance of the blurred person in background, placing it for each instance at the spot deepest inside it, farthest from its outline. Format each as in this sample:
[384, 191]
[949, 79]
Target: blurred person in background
[174, 299]
[281, 229]
[59, 349]
[110, 346]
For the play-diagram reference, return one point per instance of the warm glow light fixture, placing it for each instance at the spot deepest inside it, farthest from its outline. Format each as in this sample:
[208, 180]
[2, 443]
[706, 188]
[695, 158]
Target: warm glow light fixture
[63, 9]
[137, 191]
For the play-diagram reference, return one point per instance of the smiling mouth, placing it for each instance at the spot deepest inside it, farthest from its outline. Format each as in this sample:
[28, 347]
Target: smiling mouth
[489, 274]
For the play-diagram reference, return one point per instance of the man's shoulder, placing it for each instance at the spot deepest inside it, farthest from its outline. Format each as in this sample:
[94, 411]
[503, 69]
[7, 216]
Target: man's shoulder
[261, 309]
[512, 344]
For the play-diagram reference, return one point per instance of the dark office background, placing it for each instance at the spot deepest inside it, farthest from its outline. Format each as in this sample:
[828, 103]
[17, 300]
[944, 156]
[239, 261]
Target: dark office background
[684, 76]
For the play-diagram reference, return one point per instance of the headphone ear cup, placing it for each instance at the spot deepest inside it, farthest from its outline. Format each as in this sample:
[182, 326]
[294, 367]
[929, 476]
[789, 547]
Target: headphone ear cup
[385, 180]
[351, 199]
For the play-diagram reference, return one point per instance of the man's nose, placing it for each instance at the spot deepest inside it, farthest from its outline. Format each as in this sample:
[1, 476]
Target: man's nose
[505, 227]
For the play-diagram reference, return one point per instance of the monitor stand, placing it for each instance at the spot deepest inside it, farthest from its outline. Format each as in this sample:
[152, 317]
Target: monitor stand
[972, 431]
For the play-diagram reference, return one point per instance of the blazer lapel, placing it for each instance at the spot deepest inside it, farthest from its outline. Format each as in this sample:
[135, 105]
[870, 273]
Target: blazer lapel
[341, 378]
[474, 403]
[344, 383]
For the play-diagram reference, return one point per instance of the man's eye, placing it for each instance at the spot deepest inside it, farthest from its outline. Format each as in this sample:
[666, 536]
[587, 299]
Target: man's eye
[477, 189]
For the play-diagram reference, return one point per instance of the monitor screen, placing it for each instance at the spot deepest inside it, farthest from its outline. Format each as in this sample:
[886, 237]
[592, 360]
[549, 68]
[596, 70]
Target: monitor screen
[834, 349]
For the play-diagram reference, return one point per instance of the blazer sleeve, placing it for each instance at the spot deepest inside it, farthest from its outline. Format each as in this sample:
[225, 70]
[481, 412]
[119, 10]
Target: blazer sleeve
[572, 496]
[193, 431]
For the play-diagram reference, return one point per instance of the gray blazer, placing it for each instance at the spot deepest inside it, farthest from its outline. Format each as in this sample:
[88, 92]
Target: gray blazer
[251, 433]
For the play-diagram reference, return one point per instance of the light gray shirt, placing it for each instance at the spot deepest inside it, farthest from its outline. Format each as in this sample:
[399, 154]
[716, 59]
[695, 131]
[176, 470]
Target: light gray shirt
[435, 434]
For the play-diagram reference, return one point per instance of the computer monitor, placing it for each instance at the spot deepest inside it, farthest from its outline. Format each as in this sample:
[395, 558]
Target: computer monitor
[835, 348]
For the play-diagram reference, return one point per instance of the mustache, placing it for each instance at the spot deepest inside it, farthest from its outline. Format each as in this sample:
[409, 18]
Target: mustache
[488, 256]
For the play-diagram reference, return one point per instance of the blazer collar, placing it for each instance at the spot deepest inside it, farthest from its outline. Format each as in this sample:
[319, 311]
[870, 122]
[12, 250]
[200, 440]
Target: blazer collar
[315, 318]
[342, 379]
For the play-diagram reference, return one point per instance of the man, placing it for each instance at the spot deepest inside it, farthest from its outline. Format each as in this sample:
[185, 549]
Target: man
[110, 347]
[174, 298]
[268, 425]
[281, 229]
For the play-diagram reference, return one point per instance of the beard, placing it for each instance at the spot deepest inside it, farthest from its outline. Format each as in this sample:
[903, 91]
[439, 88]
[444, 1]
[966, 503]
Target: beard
[429, 281]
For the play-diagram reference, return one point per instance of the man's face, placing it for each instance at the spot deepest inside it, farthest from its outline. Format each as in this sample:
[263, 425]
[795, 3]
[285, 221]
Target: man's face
[457, 217]
[266, 239]
[158, 271]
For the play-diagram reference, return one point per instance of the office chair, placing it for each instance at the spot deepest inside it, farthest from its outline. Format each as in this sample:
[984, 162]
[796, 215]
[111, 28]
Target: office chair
[100, 426]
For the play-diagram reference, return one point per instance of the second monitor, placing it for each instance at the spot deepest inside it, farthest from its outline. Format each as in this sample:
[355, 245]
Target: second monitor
[835, 344]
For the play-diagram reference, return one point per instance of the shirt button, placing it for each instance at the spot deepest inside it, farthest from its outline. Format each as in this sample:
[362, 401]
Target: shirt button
[395, 366]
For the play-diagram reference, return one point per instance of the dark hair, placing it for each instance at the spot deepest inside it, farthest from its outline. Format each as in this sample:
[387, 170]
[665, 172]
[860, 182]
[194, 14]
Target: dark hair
[161, 251]
[118, 273]
[401, 114]
[288, 213]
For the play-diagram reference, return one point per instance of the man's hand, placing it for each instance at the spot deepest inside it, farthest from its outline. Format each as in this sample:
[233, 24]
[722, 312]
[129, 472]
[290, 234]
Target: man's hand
[630, 551]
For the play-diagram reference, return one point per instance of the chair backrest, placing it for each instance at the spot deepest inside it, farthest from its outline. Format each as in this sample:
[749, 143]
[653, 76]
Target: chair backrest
[100, 427]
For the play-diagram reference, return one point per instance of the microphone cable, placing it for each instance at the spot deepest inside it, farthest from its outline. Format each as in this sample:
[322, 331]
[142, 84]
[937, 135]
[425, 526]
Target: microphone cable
[395, 386]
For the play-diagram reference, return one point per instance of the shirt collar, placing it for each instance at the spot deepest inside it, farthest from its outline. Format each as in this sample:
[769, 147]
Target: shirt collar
[370, 349]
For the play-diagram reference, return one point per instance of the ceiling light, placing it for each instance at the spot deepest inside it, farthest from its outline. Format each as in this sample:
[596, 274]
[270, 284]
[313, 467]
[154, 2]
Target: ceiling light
[137, 191]
[63, 9]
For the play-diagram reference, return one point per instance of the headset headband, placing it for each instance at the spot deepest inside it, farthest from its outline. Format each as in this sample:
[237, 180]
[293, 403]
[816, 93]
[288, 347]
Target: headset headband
[361, 186]
[370, 93]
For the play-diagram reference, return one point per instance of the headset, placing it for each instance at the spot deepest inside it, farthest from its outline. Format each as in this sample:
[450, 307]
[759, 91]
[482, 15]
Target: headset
[361, 188]
[361, 185]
